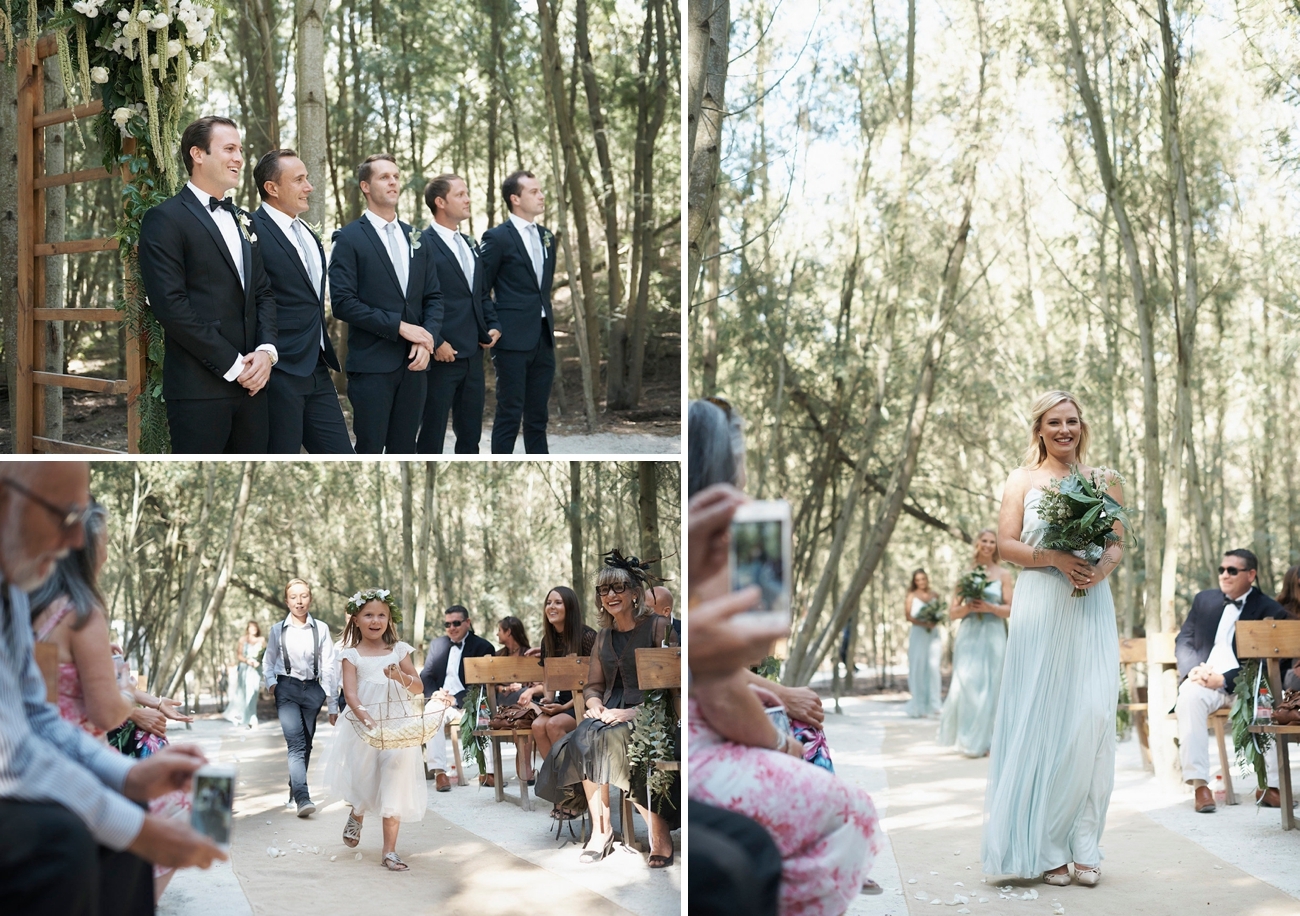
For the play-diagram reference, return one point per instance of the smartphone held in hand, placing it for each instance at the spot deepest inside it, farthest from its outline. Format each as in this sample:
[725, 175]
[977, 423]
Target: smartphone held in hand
[760, 554]
[214, 795]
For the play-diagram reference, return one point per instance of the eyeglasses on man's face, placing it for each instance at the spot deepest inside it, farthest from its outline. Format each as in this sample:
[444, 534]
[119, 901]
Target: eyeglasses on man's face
[1232, 570]
[67, 517]
[452, 624]
[614, 588]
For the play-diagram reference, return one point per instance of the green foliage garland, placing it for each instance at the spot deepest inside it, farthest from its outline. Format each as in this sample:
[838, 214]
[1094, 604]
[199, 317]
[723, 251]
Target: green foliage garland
[472, 745]
[1250, 747]
[142, 58]
[653, 731]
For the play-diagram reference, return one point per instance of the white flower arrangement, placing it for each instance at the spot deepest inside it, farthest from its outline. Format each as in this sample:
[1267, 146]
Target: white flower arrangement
[547, 237]
[246, 227]
[414, 239]
[99, 75]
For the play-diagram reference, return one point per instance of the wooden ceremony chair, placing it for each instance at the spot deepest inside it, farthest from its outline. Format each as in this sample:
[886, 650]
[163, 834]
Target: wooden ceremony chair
[1272, 641]
[493, 671]
[656, 669]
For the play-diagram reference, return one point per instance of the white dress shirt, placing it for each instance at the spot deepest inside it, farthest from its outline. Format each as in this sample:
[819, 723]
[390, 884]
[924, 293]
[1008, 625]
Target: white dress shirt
[459, 248]
[230, 234]
[533, 242]
[451, 682]
[401, 258]
[288, 227]
[1222, 659]
[300, 645]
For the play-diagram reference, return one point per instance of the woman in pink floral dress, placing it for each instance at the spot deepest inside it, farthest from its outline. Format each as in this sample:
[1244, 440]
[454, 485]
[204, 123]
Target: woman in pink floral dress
[68, 612]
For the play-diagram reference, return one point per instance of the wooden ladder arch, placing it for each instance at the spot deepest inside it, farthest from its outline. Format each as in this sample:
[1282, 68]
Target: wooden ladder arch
[33, 376]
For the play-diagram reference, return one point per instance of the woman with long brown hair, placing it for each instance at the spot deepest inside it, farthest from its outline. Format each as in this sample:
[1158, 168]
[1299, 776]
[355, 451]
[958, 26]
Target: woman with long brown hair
[924, 649]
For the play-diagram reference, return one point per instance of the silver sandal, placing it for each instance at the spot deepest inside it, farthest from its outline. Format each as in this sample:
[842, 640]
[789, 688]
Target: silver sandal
[393, 862]
[351, 831]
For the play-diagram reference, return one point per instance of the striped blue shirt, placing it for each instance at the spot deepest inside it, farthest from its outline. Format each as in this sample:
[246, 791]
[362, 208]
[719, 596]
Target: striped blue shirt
[45, 759]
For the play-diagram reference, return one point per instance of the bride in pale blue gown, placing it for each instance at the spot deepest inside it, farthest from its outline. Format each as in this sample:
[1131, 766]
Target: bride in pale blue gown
[977, 653]
[924, 650]
[1052, 761]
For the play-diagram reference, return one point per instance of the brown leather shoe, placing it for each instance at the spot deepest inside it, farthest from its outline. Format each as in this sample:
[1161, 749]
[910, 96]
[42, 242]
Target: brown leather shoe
[442, 782]
[1269, 799]
[1204, 803]
[487, 779]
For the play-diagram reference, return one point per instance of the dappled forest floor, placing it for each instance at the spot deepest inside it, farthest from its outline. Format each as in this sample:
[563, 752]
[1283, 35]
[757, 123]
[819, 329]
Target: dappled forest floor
[99, 420]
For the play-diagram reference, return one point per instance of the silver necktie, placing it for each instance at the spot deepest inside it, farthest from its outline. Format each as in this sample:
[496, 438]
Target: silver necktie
[398, 254]
[308, 248]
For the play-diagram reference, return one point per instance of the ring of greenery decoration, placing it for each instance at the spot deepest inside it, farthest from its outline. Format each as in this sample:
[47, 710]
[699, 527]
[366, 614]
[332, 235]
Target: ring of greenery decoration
[141, 59]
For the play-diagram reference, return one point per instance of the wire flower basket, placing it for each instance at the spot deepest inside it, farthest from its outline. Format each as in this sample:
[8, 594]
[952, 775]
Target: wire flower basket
[400, 721]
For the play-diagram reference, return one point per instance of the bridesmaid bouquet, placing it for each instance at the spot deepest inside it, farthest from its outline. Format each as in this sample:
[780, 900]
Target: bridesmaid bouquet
[931, 612]
[1081, 516]
[970, 587]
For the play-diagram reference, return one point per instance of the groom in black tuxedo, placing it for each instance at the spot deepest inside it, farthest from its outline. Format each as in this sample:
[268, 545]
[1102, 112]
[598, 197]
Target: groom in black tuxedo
[518, 264]
[202, 269]
[384, 285]
[303, 405]
[444, 669]
[469, 324]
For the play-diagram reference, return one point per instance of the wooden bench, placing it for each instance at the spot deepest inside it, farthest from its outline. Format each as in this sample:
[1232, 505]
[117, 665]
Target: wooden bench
[1133, 652]
[493, 671]
[656, 669]
[1272, 641]
[568, 672]
[1163, 653]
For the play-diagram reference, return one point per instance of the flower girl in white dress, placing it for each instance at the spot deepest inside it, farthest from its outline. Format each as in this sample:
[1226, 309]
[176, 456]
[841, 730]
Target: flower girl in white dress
[378, 683]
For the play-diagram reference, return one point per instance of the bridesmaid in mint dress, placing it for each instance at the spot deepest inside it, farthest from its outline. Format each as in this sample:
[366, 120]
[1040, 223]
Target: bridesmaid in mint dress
[924, 649]
[977, 652]
[1052, 761]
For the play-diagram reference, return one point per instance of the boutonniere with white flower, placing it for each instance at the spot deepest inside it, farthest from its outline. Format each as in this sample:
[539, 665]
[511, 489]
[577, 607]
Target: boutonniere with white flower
[316, 229]
[472, 243]
[546, 239]
[246, 227]
[414, 239]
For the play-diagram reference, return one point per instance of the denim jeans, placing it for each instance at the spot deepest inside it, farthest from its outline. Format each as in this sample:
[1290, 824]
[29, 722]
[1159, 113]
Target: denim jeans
[297, 703]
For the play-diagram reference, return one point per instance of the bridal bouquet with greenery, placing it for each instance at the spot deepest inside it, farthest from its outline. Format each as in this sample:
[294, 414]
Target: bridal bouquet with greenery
[971, 586]
[1081, 516]
[932, 612]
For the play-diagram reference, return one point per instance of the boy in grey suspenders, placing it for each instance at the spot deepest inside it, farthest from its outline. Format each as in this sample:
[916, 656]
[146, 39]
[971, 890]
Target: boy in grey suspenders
[298, 663]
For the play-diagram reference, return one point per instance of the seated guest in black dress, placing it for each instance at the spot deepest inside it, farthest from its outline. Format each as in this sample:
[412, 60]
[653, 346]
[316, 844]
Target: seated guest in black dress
[597, 751]
[564, 632]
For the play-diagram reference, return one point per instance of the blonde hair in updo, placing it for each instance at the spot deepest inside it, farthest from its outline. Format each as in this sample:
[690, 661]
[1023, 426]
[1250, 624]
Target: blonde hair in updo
[1036, 454]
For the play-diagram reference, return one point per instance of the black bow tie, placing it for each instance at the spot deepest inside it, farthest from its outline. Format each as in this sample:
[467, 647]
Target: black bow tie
[1239, 602]
[224, 203]
[459, 645]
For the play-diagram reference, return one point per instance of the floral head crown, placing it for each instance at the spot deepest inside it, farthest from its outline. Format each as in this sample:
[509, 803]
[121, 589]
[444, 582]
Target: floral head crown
[366, 595]
[638, 569]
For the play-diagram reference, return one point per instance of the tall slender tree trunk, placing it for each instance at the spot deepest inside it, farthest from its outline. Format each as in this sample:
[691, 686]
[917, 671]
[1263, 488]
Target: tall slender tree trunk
[574, 515]
[310, 101]
[708, 35]
[225, 567]
[423, 587]
[647, 477]
[408, 549]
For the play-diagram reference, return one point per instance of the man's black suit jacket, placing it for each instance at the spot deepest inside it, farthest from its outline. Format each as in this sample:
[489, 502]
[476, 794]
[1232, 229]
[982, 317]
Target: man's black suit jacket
[1196, 638]
[365, 293]
[467, 314]
[208, 318]
[299, 309]
[508, 272]
[434, 672]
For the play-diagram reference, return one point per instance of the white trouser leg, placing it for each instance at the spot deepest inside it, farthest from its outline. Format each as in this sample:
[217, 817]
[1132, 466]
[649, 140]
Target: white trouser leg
[436, 750]
[1195, 703]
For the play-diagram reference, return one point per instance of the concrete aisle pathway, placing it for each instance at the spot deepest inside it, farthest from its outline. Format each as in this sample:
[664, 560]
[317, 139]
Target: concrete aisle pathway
[468, 855]
[1159, 861]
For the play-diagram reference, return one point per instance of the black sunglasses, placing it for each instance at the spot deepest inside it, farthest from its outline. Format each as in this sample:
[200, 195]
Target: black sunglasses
[448, 624]
[1232, 570]
[616, 588]
[68, 517]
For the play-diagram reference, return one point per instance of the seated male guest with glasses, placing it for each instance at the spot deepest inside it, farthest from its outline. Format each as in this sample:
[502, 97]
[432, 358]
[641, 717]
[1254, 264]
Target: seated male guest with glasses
[444, 669]
[1206, 649]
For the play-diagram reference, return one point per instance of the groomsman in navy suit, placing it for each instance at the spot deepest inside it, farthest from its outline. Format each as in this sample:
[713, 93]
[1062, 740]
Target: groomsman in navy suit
[202, 269]
[383, 283]
[469, 324]
[518, 262]
[304, 407]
